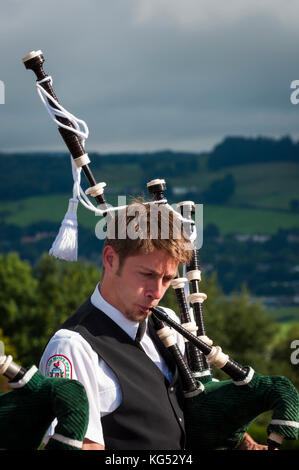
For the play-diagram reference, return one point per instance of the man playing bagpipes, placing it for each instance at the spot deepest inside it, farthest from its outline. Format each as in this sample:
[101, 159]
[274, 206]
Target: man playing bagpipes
[132, 383]
[140, 388]
[131, 379]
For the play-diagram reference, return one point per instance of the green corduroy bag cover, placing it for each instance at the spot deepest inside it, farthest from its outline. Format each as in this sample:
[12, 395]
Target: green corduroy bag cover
[28, 410]
[219, 417]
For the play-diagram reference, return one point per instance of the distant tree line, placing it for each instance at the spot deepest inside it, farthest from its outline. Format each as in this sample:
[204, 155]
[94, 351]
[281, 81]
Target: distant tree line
[50, 173]
[219, 191]
[44, 173]
[242, 151]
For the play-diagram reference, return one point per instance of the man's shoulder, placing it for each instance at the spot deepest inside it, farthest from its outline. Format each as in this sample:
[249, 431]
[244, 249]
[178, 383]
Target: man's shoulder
[64, 334]
[65, 348]
[80, 316]
[62, 338]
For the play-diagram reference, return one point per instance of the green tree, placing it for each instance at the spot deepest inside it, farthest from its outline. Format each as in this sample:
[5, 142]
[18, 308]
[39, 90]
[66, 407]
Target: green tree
[62, 288]
[18, 293]
[220, 190]
[243, 329]
[284, 354]
[34, 302]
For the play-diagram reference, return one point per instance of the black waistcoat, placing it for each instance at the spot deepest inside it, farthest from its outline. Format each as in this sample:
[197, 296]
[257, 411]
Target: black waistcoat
[150, 414]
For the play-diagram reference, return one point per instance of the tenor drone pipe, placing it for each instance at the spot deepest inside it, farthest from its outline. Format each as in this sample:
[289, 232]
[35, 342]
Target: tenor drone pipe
[12, 371]
[197, 306]
[232, 368]
[34, 61]
[195, 358]
[157, 188]
[187, 209]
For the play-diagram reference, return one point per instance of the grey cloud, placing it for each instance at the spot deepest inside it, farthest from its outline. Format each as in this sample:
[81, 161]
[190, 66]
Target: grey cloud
[144, 79]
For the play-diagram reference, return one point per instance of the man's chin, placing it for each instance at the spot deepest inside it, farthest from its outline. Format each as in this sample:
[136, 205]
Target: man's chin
[138, 315]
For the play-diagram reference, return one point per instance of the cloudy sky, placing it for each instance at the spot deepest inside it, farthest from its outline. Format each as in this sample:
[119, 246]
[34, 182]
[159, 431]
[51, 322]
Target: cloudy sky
[151, 74]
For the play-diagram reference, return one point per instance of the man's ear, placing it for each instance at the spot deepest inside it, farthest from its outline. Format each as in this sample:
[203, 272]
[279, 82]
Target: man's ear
[110, 259]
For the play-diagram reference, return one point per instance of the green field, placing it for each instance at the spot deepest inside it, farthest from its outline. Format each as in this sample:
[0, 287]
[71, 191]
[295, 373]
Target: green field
[45, 208]
[264, 185]
[244, 220]
[229, 219]
[260, 203]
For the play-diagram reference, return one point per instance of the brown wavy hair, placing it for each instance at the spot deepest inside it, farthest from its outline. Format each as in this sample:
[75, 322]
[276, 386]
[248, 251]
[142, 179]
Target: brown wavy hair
[141, 228]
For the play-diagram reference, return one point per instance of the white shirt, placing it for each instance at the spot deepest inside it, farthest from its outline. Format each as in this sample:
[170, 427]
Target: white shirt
[69, 355]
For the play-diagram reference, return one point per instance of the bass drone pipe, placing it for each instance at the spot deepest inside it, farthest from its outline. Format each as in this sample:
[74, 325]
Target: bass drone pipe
[34, 61]
[193, 276]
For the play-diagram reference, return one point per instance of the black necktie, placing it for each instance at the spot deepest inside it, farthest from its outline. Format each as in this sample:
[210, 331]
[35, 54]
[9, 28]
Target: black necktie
[140, 331]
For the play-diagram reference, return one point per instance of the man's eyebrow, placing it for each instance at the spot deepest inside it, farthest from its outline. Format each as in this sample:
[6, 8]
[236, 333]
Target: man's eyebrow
[149, 270]
[153, 271]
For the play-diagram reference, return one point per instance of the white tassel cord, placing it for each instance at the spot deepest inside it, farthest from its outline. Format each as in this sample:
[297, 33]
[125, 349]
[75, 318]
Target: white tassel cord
[65, 246]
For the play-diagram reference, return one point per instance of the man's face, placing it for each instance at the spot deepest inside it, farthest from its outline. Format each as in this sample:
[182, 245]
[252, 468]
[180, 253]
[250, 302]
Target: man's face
[140, 284]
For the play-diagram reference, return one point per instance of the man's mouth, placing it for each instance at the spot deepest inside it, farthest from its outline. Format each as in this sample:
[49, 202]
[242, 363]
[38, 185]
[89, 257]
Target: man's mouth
[144, 308]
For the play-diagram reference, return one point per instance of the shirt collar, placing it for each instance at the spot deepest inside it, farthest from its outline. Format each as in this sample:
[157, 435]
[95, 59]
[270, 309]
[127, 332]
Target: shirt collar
[128, 326]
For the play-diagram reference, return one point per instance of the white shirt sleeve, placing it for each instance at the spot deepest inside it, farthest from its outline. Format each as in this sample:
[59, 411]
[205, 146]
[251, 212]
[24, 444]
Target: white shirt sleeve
[69, 355]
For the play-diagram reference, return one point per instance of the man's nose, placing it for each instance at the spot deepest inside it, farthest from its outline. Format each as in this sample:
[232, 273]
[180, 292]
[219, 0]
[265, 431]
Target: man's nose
[155, 289]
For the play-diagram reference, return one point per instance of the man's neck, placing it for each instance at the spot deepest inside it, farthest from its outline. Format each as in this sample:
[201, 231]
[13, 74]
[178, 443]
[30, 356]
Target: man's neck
[107, 293]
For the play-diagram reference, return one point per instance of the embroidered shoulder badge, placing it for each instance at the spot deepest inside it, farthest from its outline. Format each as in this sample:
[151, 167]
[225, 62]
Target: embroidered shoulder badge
[59, 366]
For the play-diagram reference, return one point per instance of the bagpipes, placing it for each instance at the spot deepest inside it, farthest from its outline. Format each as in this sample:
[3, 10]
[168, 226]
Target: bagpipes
[35, 401]
[217, 413]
